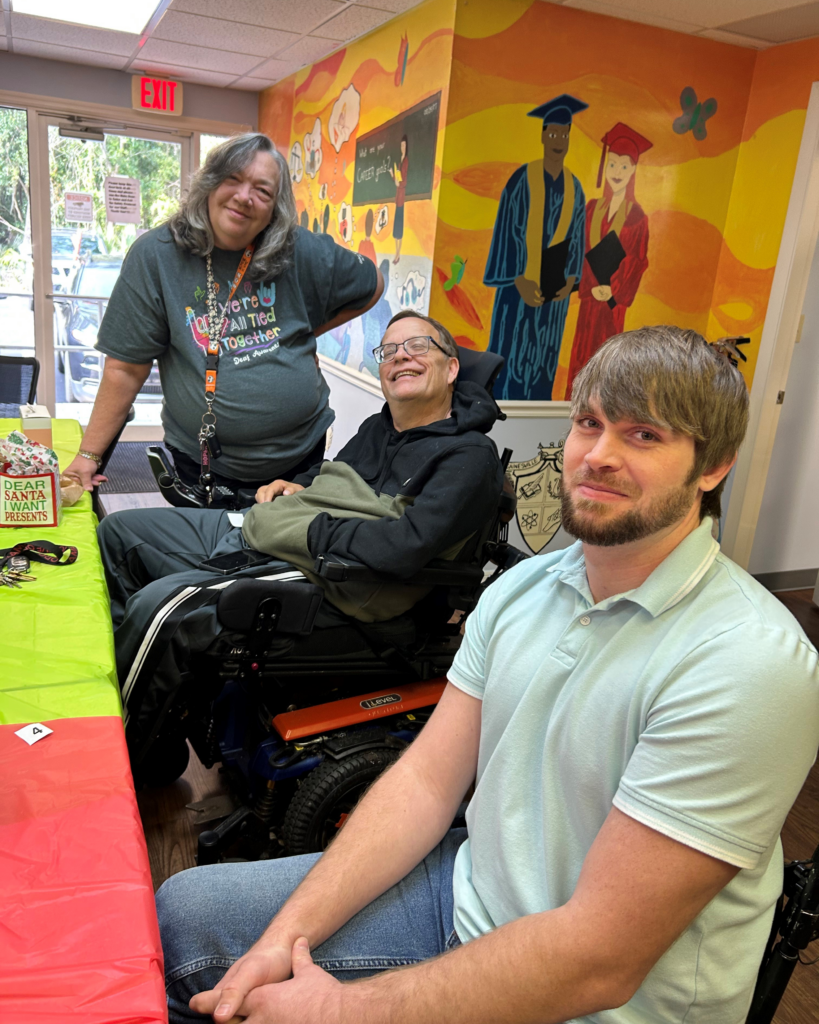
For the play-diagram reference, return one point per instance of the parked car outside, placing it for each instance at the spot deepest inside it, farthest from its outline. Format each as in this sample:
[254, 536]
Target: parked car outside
[76, 329]
[69, 248]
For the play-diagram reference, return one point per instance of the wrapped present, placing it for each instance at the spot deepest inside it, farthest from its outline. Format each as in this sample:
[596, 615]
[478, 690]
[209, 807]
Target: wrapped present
[29, 483]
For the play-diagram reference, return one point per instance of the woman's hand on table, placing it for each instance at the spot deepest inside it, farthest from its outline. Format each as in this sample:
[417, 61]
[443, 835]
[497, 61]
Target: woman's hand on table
[85, 470]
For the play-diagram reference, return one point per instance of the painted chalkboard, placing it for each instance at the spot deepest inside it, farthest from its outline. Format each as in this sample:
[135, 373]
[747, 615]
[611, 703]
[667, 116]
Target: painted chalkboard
[379, 150]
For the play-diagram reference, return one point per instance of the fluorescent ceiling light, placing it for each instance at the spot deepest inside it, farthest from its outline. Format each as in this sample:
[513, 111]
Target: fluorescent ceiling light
[122, 17]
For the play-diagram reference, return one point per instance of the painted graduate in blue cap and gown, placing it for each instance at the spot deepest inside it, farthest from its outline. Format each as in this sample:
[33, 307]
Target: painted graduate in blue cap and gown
[536, 259]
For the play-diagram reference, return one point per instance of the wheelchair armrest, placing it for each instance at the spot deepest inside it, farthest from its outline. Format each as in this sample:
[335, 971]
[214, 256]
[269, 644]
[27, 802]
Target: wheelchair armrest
[437, 572]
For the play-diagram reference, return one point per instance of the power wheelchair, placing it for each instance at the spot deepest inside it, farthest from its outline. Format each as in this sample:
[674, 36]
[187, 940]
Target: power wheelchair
[301, 718]
[304, 720]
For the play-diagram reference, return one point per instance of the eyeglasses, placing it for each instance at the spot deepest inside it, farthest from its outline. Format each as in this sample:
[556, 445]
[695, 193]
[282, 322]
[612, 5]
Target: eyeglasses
[412, 346]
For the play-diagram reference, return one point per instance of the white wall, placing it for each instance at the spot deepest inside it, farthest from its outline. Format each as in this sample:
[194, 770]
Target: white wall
[787, 534]
[20, 73]
[353, 405]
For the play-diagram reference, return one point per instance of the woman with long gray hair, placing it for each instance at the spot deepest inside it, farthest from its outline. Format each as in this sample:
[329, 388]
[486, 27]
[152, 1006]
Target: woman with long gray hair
[228, 296]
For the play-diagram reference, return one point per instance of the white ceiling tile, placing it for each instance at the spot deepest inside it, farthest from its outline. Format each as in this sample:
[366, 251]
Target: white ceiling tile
[721, 36]
[51, 52]
[81, 37]
[290, 15]
[306, 50]
[800, 22]
[395, 6]
[182, 74]
[191, 56]
[251, 84]
[355, 21]
[217, 33]
[705, 13]
[274, 70]
[629, 13]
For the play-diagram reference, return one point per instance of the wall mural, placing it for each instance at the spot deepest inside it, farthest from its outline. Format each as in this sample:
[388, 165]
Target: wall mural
[697, 141]
[583, 194]
[365, 137]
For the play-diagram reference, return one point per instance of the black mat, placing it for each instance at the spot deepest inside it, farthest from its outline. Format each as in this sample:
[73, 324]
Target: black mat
[128, 470]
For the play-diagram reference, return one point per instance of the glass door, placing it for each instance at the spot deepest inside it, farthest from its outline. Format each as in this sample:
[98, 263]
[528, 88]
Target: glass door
[16, 264]
[107, 187]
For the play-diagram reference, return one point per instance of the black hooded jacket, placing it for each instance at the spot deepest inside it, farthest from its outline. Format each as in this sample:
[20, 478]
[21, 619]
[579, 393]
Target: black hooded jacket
[449, 470]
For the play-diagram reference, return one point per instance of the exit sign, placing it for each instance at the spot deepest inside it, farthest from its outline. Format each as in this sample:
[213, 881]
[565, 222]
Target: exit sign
[159, 95]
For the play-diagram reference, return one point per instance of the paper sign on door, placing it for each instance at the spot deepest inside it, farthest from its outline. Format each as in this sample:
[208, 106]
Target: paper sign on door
[79, 208]
[122, 200]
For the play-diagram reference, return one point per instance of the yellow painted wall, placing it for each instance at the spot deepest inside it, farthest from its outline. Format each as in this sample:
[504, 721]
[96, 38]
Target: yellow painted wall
[508, 59]
[771, 138]
[392, 69]
[715, 206]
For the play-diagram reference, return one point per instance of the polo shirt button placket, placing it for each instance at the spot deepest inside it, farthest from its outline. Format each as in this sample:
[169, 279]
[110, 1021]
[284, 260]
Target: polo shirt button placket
[585, 620]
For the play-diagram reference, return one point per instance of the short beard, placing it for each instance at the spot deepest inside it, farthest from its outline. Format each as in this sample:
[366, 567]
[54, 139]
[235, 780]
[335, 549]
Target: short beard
[628, 527]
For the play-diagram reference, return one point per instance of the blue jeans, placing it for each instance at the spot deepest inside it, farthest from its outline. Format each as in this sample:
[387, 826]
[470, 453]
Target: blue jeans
[210, 916]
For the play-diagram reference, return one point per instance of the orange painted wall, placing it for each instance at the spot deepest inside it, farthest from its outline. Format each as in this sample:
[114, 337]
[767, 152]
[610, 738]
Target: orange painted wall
[508, 59]
[384, 74]
[771, 138]
[716, 206]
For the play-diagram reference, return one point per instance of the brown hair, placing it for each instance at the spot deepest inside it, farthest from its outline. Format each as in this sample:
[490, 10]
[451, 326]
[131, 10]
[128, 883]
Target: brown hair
[673, 378]
[445, 339]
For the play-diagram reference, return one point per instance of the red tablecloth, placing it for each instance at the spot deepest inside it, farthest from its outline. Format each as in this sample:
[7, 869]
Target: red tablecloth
[78, 938]
[78, 933]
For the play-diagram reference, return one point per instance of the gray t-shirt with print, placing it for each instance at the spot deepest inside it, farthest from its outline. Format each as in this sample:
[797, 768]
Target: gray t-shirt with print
[271, 400]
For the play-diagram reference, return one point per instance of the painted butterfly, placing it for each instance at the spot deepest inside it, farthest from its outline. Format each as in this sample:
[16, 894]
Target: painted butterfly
[694, 114]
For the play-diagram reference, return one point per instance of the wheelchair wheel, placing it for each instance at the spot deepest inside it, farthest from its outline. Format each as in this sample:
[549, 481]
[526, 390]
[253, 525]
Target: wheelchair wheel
[326, 796]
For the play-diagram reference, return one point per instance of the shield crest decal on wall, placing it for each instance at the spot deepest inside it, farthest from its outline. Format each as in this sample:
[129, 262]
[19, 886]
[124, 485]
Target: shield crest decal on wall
[537, 486]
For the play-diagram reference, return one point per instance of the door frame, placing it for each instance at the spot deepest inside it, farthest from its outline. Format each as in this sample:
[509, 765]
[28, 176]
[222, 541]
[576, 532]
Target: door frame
[779, 333]
[42, 110]
[43, 284]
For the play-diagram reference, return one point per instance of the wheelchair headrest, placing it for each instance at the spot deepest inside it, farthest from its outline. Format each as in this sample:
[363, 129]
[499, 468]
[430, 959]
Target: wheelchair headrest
[480, 367]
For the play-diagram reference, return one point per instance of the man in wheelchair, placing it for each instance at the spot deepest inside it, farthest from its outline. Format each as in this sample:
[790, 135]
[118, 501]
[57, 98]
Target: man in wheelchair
[637, 716]
[419, 481]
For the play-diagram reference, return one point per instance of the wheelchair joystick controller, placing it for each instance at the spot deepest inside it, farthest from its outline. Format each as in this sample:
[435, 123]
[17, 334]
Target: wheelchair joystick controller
[183, 496]
[173, 490]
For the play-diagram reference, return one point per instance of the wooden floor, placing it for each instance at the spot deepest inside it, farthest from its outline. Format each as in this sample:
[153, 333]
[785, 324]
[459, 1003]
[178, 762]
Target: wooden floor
[171, 829]
[800, 837]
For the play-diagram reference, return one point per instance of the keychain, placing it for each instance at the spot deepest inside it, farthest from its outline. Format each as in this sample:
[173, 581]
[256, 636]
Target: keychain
[15, 562]
[15, 571]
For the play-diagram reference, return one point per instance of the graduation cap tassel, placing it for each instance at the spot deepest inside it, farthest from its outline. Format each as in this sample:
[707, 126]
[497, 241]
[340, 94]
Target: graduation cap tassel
[602, 165]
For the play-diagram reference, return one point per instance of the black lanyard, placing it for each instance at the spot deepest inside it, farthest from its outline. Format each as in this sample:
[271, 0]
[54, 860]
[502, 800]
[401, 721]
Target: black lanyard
[41, 551]
[209, 447]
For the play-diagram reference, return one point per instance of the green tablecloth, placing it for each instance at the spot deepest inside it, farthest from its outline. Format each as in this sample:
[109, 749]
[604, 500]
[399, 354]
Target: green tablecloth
[56, 641]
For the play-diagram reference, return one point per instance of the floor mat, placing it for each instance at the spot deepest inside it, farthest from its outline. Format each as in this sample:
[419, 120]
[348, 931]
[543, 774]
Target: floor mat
[128, 470]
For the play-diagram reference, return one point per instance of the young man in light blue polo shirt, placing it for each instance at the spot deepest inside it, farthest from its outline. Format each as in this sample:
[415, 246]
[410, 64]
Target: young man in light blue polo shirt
[638, 714]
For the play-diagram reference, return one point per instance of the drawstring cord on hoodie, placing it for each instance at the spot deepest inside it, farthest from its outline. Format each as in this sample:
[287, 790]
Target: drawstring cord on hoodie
[386, 466]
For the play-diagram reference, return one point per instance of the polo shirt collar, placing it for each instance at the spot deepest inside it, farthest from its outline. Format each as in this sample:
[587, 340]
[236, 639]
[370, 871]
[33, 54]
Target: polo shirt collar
[672, 580]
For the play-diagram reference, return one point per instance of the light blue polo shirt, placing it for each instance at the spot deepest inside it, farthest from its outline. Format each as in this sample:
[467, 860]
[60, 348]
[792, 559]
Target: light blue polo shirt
[691, 703]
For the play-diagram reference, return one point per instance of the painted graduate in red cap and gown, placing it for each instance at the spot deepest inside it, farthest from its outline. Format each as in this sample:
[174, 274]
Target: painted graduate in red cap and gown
[616, 248]
[536, 258]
